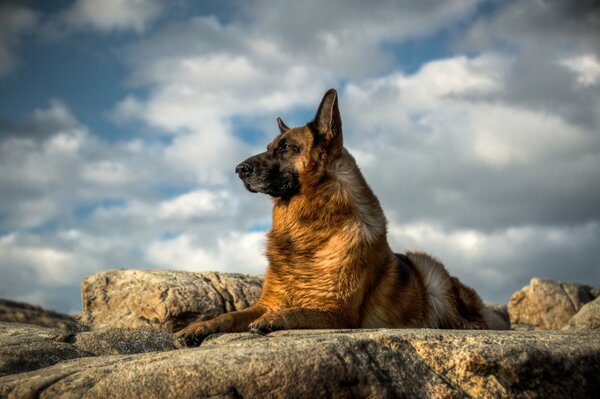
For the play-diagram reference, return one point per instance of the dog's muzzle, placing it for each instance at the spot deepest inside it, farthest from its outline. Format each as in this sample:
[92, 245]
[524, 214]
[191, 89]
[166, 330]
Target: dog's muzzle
[244, 170]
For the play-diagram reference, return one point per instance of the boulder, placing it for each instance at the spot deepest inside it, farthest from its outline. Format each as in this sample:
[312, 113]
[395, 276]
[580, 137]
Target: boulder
[25, 313]
[588, 317]
[329, 363]
[548, 304]
[155, 298]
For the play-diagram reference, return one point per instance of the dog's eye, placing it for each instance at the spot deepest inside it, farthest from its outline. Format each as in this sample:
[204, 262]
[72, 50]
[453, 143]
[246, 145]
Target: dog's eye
[287, 148]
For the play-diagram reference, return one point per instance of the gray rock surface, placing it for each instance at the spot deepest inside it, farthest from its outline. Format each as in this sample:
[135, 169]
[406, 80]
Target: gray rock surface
[154, 298]
[25, 347]
[323, 364]
[25, 313]
[548, 304]
[588, 317]
[104, 359]
[118, 341]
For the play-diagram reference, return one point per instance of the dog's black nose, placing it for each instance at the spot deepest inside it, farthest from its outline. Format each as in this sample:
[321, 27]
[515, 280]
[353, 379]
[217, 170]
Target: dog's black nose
[244, 169]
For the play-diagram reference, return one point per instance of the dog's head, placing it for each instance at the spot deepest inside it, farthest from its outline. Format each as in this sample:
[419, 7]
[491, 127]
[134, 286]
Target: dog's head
[298, 156]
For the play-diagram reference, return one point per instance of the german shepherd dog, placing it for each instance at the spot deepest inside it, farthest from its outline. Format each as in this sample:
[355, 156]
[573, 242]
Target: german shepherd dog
[330, 265]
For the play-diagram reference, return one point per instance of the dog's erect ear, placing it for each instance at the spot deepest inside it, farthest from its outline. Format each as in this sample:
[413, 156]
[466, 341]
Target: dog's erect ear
[328, 121]
[282, 126]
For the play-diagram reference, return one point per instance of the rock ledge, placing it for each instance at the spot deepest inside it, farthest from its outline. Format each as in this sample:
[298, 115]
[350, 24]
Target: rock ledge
[345, 363]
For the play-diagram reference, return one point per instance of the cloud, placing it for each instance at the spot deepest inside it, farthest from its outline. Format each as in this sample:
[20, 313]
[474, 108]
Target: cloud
[586, 67]
[459, 154]
[241, 252]
[60, 165]
[499, 262]
[540, 35]
[486, 156]
[538, 27]
[40, 269]
[204, 69]
[75, 204]
[204, 73]
[112, 15]
[15, 23]
[197, 204]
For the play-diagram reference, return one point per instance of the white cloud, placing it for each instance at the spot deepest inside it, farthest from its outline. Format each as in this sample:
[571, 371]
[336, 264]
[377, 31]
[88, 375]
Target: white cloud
[107, 172]
[457, 76]
[400, 101]
[15, 22]
[458, 152]
[56, 116]
[586, 67]
[499, 262]
[202, 72]
[438, 108]
[74, 204]
[112, 15]
[198, 204]
[240, 252]
[505, 135]
[47, 265]
[57, 165]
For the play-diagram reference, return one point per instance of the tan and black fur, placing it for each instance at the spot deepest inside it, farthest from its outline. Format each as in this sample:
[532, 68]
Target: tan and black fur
[330, 265]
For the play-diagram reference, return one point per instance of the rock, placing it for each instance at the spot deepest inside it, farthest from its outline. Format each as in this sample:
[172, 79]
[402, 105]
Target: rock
[588, 317]
[117, 341]
[25, 313]
[25, 347]
[548, 304]
[153, 298]
[522, 327]
[346, 363]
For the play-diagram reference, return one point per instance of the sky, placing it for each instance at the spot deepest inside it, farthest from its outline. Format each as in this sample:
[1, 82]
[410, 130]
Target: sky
[476, 123]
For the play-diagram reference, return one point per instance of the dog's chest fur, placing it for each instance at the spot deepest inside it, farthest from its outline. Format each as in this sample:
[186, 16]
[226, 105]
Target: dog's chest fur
[318, 250]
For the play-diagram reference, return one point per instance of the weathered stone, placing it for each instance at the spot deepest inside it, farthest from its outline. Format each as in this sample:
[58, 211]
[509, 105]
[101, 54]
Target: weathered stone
[26, 347]
[523, 327]
[588, 317]
[25, 313]
[316, 364]
[548, 304]
[153, 298]
[117, 341]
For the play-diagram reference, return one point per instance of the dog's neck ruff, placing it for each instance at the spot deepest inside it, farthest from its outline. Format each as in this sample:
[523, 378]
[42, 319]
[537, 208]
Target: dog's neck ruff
[351, 183]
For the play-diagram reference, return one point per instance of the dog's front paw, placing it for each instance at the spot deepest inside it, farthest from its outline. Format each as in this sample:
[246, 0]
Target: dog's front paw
[267, 323]
[194, 334]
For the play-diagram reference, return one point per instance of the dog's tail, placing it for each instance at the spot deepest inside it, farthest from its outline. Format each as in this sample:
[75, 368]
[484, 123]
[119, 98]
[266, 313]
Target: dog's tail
[494, 319]
[453, 304]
